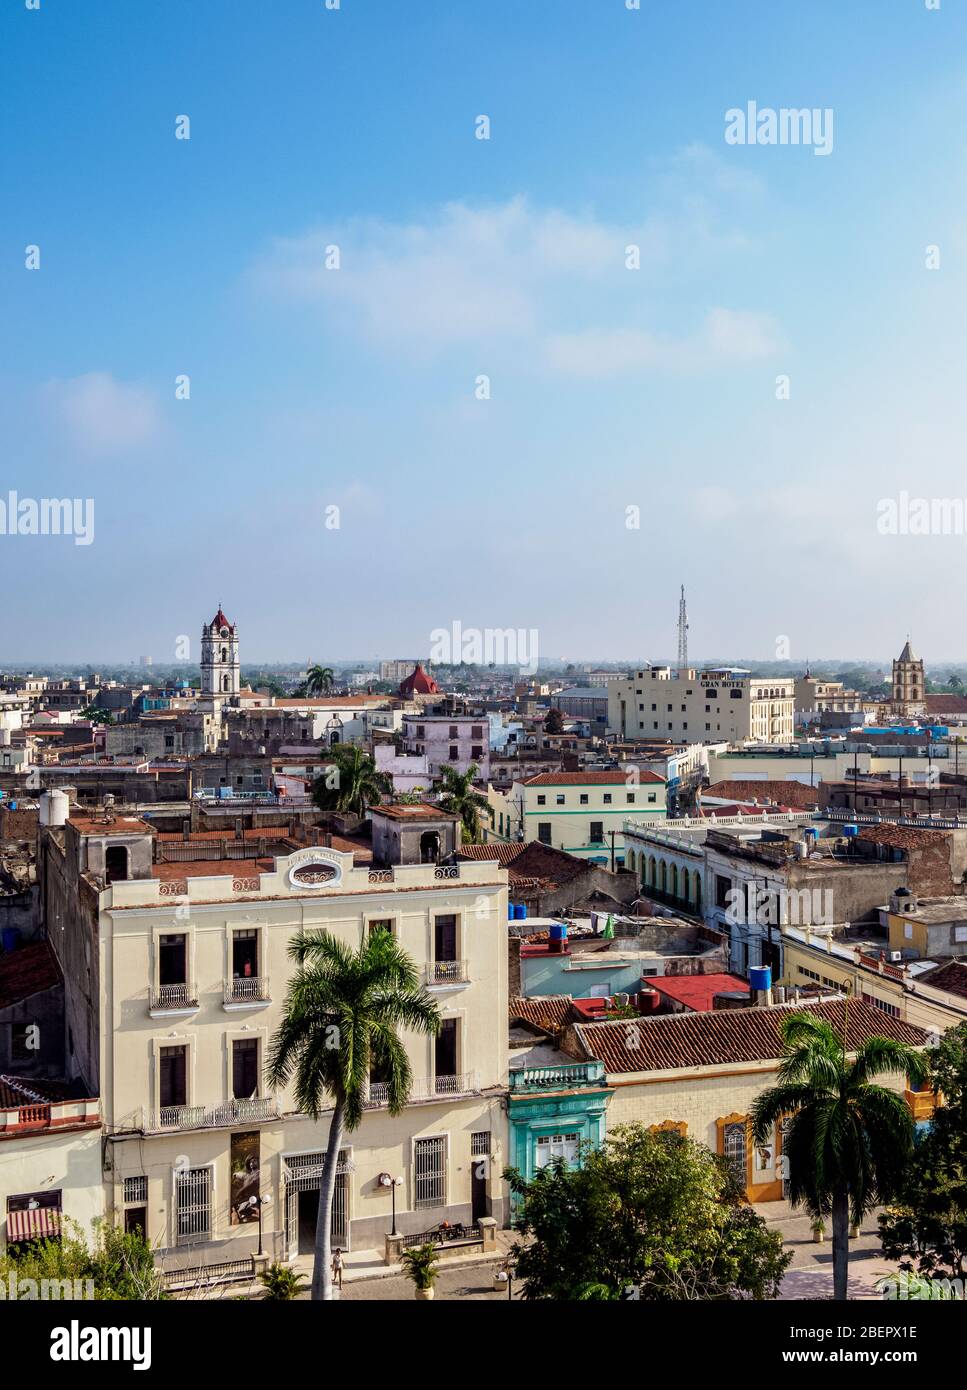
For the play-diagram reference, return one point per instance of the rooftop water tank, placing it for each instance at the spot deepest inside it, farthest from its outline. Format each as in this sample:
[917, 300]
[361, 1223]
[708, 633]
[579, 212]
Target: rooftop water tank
[760, 978]
[850, 831]
[54, 807]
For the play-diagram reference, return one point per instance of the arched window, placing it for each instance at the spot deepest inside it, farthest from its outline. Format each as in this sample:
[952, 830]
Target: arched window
[674, 880]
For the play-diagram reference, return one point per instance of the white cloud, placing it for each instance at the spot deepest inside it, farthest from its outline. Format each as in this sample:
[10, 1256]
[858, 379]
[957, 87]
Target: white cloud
[103, 414]
[726, 335]
[548, 285]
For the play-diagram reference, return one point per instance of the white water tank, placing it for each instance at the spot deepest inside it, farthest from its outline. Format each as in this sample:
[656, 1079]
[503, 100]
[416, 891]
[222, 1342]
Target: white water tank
[54, 807]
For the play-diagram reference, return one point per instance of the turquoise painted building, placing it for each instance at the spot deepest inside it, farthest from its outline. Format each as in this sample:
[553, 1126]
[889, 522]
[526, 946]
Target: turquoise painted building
[555, 1111]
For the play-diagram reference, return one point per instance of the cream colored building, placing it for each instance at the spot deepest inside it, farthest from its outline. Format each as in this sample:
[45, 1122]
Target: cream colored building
[577, 811]
[692, 706]
[176, 961]
[50, 1161]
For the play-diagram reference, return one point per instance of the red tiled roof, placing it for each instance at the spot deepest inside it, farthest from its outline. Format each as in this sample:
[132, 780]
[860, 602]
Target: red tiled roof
[951, 977]
[496, 850]
[697, 992]
[552, 1012]
[787, 793]
[16, 1091]
[946, 704]
[29, 970]
[727, 1036]
[590, 779]
[902, 836]
[420, 811]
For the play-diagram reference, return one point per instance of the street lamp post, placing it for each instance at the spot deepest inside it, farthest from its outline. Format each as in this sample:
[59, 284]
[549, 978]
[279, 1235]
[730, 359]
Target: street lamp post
[386, 1180]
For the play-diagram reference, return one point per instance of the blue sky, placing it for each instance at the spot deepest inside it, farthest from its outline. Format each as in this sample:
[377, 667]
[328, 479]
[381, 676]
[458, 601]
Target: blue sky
[355, 388]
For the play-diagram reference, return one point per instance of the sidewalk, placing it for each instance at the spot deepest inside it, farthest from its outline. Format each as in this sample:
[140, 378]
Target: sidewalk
[369, 1264]
[810, 1275]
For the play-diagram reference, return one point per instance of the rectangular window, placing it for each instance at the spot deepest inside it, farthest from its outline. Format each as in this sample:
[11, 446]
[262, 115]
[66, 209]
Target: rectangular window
[560, 798]
[453, 732]
[430, 1173]
[454, 753]
[173, 1080]
[544, 832]
[245, 953]
[445, 1055]
[542, 800]
[583, 798]
[607, 798]
[476, 751]
[245, 1068]
[596, 832]
[630, 798]
[136, 1189]
[193, 1200]
[480, 1143]
[445, 938]
[172, 960]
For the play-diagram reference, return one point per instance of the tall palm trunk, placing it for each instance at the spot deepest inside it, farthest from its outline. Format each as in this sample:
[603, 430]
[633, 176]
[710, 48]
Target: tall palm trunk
[322, 1267]
[841, 1246]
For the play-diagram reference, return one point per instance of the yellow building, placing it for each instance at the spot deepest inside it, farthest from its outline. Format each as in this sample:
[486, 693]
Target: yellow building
[897, 985]
[174, 951]
[700, 1073]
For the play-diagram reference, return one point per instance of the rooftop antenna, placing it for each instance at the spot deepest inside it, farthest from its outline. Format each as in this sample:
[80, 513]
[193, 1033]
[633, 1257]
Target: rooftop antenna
[682, 632]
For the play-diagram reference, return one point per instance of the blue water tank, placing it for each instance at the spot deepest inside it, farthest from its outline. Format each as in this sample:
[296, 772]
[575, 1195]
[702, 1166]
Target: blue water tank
[522, 912]
[10, 938]
[760, 977]
[511, 911]
[558, 931]
[851, 831]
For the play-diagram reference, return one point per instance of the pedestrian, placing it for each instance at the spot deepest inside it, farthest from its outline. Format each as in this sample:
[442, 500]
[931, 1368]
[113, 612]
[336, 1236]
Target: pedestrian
[337, 1267]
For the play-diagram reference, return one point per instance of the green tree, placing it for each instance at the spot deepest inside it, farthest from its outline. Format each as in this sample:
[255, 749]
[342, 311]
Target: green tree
[97, 715]
[926, 1227]
[457, 796]
[119, 1264]
[554, 722]
[318, 678]
[351, 782]
[847, 1138]
[344, 1010]
[652, 1216]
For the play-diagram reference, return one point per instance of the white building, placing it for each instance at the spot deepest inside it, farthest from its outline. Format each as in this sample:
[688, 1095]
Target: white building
[719, 704]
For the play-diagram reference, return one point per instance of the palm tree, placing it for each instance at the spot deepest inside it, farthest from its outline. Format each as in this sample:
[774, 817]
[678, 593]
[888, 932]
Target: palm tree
[351, 783]
[343, 1012]
[318, 678]
[847, 1139]
[459, 798]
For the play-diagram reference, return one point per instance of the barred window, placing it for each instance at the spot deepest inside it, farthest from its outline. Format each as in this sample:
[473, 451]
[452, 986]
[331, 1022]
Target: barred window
[136, 1189]
[480, 1142]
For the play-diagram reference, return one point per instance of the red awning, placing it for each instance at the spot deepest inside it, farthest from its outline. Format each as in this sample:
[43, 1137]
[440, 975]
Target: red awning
[40, 1224]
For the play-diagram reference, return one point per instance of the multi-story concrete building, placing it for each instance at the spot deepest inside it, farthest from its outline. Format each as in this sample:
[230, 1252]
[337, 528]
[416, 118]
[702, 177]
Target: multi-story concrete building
[690, 706]
[456, 740]
[174, 951]
[581, 812]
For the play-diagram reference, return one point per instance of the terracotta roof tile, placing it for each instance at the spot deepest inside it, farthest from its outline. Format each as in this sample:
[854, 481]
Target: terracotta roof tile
[725, 1037]
[552, 1012]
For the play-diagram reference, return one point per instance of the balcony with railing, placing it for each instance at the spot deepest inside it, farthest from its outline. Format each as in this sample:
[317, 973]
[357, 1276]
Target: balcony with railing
[231, 1112]
[447, 972]
[247, 991]
[425, 1088]
[173, 999]
[565, 1077]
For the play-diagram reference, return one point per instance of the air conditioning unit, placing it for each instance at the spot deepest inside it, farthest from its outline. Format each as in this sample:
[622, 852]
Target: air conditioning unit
[896, 956]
